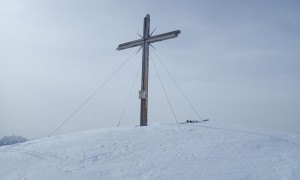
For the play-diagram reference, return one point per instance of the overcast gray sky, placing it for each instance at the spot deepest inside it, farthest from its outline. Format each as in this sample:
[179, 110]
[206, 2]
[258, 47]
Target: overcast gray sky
[237, 61]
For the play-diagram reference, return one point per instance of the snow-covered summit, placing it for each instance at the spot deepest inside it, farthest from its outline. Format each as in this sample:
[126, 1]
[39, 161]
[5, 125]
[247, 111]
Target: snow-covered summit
[158, 151]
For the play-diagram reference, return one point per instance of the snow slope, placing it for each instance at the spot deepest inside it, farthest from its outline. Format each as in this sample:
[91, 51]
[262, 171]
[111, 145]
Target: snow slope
[158, 151]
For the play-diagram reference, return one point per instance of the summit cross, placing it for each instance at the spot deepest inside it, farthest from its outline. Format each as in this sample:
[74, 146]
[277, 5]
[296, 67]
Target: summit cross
[144, 43]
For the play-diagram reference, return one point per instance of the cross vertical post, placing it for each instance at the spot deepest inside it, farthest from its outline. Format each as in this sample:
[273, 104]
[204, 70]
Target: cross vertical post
[145, 73]
[144, 43]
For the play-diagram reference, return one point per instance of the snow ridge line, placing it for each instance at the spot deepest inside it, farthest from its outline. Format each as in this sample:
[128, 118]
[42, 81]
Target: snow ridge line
[38, 155]
[246, 132]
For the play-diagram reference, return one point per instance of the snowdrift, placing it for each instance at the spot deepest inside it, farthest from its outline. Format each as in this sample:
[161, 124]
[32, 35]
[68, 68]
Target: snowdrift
[158, 151]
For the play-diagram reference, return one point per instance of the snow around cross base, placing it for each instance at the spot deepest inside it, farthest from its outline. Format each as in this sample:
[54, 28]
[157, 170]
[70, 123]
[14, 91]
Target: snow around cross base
[159, 151]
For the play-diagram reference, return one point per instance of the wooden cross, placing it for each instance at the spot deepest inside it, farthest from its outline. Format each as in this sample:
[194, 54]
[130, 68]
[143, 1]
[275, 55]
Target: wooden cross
[144, 43]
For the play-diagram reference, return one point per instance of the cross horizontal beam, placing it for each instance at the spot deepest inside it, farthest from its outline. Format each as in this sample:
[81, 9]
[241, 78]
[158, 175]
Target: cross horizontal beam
[164, 36]
[152, 39]
[130, 44]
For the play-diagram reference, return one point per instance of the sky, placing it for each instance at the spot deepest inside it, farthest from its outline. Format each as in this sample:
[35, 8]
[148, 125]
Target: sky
[237, 62]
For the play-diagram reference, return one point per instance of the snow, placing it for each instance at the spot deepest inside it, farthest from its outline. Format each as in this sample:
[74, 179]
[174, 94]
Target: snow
[158, 151]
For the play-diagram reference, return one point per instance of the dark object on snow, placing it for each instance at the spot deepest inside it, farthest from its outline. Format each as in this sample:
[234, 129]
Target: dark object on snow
[196, 121]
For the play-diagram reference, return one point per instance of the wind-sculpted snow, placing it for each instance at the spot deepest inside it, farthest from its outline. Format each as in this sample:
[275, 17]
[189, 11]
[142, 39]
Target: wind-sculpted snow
[159, 151]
